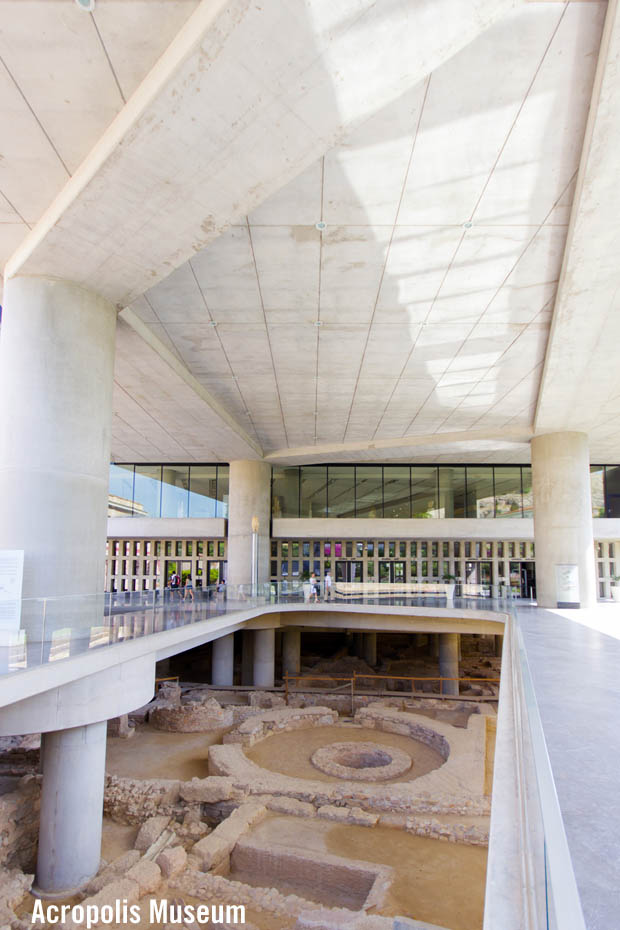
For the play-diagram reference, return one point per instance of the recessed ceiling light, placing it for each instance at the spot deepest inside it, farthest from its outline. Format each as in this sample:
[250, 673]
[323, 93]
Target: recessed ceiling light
[467, 225]
[321, 226]
[87, 5]
[212, 323]
[318, 322]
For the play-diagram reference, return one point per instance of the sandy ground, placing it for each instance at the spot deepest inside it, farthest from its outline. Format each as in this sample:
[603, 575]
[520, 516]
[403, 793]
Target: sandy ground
[435, 881]
[153, 753]
[289, 752]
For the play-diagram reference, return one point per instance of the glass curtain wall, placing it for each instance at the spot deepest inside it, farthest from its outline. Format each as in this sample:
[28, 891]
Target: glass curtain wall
[168, 490]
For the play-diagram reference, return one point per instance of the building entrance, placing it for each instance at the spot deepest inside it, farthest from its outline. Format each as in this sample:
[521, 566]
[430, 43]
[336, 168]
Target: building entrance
[216, 572]
[523, 579]
[349, 571]
[391, 571]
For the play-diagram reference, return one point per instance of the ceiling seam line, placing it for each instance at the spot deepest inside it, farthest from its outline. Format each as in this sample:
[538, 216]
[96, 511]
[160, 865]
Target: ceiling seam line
[105, 52]
[519, 111]
[262, 303]
[447, 368]
[224, 352]
[139, 405]
[38, 121]
[517, 260]
[387, 255]
[318, 333]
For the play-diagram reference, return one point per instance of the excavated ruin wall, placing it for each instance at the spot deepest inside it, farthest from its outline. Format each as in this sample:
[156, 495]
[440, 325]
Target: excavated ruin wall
[19, 824]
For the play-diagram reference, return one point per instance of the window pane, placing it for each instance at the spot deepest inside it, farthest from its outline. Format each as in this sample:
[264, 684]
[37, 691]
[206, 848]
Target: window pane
[480, 491]
[424, 491]
[396, 491]
[202, 490]
[285, 492]
[175, 484]
[597, 487]
[147, 490]
[313, 491]
[508, 491]
[612, 485]
[528, 497]
[120, 499]
[369, 491]
[451, 491]
[222, 491]
[341, 490]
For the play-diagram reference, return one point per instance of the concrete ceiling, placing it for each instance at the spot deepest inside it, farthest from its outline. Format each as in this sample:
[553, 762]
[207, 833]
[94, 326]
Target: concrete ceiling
[445, 188]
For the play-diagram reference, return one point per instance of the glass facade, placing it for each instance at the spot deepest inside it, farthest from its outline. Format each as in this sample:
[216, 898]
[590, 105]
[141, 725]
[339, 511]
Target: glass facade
[168, 491]
[421, 491]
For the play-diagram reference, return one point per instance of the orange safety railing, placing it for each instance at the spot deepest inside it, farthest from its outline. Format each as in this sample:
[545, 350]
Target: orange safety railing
[352, 680]
[160, 681]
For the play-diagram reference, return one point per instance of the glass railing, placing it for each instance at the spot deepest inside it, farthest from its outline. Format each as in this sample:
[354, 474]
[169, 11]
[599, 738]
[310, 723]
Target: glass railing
[42, 630]
[530, 878]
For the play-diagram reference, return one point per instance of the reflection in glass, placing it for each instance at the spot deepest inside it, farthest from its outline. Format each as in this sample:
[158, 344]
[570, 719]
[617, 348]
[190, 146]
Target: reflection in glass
[396, 491]
[452, 491]
[424, 491]
[528, 497]
[147, 491]
[174, 492]
[120, 501]
[480, 501]
[369, 491]
[202, 490]
[508, 502]
[341, 490]
[222, 491]
[597, 489]
[612, 488]
[285, 492]
[313, 491]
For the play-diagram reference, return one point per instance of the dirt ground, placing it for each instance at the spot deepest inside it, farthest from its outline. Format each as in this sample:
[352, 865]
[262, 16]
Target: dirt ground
[435, 881]
[154, 753]
[289, 752]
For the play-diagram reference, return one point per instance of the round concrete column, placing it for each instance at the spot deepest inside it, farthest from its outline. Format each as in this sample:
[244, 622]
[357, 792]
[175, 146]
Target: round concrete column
[249, 496]
[223, 660]
[449, 661]
[291, 652]
[370, 649]
[563, 519]
[73, 764]
[56, 378]
[264, 658]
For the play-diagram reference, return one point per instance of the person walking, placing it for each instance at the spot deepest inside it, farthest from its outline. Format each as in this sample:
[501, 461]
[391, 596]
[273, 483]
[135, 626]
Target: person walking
[189, 589]
[327, 581]
[314, 585]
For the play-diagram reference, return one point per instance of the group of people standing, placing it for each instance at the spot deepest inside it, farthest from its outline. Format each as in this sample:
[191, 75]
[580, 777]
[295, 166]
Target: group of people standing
[315, 586]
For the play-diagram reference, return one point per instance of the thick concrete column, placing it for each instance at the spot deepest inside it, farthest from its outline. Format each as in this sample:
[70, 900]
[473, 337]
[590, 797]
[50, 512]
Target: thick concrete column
[73, 764]
[249, 496]
[223, 660]
[264, 658]
[449, 661]
[291, 652]
[56, 378]
[563, 519]
[370, 649]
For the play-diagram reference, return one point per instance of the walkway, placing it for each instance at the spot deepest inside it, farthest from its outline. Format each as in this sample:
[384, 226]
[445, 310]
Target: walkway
[574, 658]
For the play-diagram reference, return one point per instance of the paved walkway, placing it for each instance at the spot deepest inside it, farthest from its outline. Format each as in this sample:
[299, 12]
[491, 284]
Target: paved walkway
[574, 658]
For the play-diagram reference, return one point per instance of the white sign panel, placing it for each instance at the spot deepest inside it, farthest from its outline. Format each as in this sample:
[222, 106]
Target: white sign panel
[11, 578]
[567, 583]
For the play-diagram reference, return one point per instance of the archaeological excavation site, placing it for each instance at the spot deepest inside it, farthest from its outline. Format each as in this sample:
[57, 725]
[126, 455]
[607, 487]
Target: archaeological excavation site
[353, 794]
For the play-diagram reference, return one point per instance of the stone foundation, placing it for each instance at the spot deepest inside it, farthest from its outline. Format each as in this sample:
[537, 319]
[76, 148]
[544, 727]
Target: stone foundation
[262, 724]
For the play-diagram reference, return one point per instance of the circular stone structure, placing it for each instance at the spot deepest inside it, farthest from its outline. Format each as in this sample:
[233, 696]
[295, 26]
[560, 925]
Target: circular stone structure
[361, 761]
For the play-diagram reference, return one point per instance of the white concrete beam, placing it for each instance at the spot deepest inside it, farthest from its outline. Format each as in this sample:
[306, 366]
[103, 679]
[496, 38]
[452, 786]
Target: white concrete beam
[459, 443]
[245, 98]
[581, 378]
